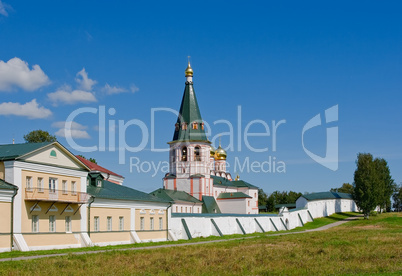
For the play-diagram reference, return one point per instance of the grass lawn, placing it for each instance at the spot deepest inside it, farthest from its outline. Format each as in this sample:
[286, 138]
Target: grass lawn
[311, 225]
[357, 247]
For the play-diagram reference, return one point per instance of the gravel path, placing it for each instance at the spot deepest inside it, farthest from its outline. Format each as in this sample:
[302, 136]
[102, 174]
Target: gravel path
[325, 227]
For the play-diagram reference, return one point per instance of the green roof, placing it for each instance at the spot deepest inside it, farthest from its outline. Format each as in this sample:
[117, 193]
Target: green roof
[326, 195]
[189, 113]
[233, 195]
[234, 183]
[287, 205]
[210, 205]
[7, 186]
[172, 195]
[115, 191]
[13, 151]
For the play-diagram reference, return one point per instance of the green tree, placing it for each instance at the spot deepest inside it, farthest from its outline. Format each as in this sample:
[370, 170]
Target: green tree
[397, 198]
[346, 188]
[365, 192]
[93, 160]
[373, 185]
[386, 184]
[262, 198]
[39, 136]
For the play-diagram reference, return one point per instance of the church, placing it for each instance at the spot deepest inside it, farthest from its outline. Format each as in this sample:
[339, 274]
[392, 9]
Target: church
[198, 181]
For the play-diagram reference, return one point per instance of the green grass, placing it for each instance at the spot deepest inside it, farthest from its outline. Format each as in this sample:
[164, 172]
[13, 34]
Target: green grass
[362, 247]
[311, 225]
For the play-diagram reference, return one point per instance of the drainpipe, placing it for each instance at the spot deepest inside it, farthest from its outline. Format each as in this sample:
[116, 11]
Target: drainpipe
[12, 218]
[89, 215]
[167, 220]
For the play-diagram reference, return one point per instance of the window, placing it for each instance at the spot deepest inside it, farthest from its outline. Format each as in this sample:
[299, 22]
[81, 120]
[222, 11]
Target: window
[99, 183]
[186, 210]
[184, 126]
[202, 126]
[248, 203]
[160, 223]
[35, 224]
[52, 224]
[87, 181]
[176, 127]
[53, 153]
[181, 209]
[29, 183]
[177, 209]
[142, 223]
[64, 186]
[151, 223]
[109, 223]
[40, 184]
[195, 125]
[52, 185]
[197, 156]
[73, 187]
[96, 224]
[121, 223]
[184, 154]
[68, 224]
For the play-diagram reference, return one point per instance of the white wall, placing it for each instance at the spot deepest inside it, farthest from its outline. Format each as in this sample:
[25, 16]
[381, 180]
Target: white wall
[327, 207]
[201, 225]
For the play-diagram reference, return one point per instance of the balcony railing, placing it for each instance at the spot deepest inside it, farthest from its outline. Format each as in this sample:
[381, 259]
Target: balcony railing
[55, 195]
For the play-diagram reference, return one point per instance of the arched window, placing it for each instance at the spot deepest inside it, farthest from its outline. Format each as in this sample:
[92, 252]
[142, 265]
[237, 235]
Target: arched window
[176, 126]
[197, 154]
[195, 125]
[184, 126]
[184, 154]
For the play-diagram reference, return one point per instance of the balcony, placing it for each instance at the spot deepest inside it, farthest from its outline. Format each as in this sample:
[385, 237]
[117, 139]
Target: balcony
[38, 194]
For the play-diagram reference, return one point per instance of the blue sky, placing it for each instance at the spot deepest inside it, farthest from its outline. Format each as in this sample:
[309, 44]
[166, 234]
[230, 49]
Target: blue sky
[277, 61]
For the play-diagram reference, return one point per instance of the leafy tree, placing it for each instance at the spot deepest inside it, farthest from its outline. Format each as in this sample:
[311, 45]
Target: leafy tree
[262, 198]
[93, 160]
[39, 136]
[346, 188]
[373, 184]
[284, 197]
[386, 184]
[397, 198]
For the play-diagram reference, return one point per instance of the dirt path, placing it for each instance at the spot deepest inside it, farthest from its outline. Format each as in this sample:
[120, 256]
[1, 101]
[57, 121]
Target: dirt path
[325, 227]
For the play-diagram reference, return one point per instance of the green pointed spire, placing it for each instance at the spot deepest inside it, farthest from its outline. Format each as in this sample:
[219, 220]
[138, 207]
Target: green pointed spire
[189, 114]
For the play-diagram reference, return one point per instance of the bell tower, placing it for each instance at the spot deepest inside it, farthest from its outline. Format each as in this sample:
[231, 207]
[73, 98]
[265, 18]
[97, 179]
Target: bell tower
[189, 155]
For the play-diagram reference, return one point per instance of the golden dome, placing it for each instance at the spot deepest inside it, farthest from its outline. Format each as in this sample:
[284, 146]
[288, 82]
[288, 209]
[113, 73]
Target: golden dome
[189, 70]
[220, 154]
[212, 151]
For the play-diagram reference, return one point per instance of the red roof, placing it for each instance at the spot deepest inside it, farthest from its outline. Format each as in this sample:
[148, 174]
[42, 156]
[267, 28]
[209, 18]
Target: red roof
[96, 167]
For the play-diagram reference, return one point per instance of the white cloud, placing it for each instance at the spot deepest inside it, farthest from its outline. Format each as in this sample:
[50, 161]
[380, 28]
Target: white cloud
[77, 130]
[113, 89]
[16, 73]
[3, 8]
[134, 88]
[74, 125]
[71, 97]
[30, 109]
[83, 80]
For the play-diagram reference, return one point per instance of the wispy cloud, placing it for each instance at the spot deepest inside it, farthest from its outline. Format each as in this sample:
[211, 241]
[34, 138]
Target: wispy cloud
[84, 81]
[31, 109]
[134, 88]
[64, 96]
[77, 130]
[113, 89]
[16, 73]
[3, 8]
